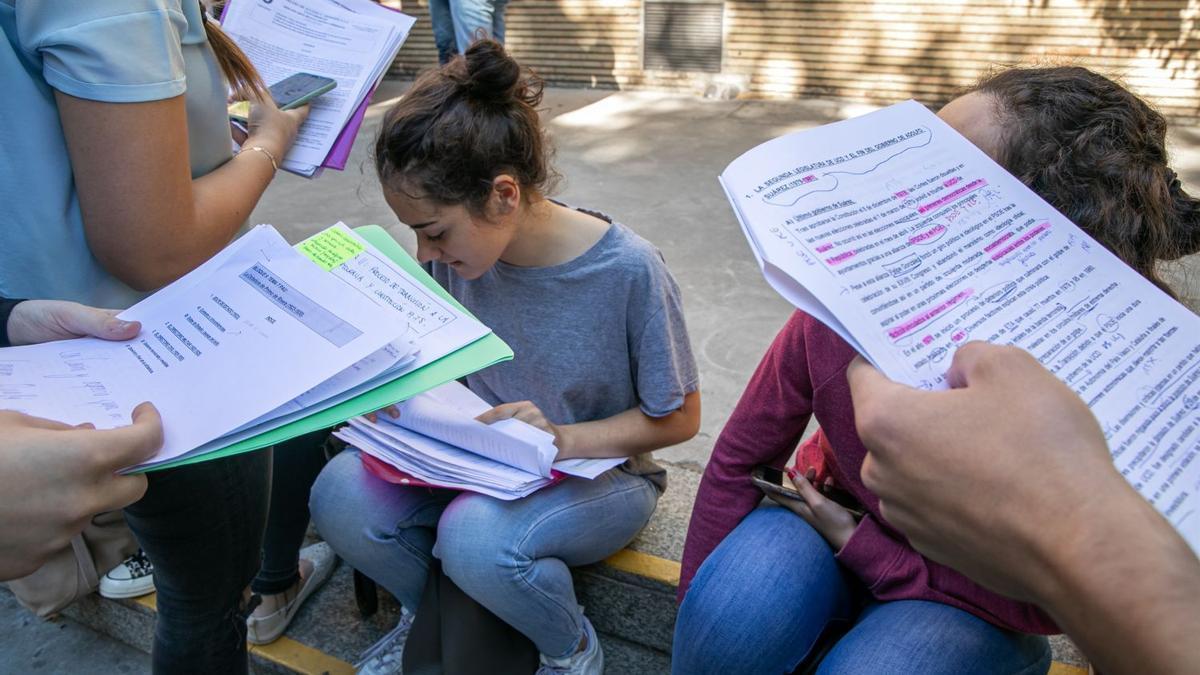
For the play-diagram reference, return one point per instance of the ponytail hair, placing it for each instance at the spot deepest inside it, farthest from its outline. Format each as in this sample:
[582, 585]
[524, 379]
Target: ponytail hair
[241, 75]
[463, 124]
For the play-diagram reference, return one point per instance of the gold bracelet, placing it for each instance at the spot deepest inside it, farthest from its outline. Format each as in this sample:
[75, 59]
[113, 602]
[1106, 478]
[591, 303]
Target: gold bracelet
[259, 148]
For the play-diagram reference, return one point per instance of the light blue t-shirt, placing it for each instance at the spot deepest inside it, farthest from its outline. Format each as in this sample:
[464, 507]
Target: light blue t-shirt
[116, 51]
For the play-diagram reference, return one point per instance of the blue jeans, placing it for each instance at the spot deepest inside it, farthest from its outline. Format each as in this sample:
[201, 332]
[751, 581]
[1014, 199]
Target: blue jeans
[763, 597]
[456, 22]
[512, 557]
[202, 528]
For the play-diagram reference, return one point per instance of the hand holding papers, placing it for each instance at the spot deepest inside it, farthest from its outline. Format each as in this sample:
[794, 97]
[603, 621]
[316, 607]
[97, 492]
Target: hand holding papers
[261, 343]
[908, 241]
[435, 327]
[350, 41]
[217, 349]
[436, 440]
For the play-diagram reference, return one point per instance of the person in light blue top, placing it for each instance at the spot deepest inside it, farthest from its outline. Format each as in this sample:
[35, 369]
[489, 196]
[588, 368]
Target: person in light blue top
[118, 177]
[69, 47]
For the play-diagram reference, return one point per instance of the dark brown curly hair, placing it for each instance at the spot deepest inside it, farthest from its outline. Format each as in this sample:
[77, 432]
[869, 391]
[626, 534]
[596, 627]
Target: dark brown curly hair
[1098, 154]
[463, 124]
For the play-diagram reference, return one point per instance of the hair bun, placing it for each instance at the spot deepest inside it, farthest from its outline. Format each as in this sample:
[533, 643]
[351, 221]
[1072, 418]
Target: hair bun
[492, 75]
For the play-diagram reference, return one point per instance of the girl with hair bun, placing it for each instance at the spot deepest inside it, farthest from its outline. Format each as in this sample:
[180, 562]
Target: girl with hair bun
[602, 362]
[1097, 153]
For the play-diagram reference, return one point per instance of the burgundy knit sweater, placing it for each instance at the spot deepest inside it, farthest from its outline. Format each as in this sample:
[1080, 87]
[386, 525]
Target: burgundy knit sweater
[802, 374]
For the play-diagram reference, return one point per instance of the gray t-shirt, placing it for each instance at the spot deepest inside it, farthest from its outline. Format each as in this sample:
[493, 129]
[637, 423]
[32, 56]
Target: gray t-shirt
[592, 337]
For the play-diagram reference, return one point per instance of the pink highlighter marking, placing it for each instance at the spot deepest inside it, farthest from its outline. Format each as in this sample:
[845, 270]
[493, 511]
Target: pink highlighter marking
[1021, 242]
[952, 182]
[969, 187]
[927, 315]
[902, 194]
[841, 257]
[1001, 240]
[824, 247]
[927, 235]
[928, 339]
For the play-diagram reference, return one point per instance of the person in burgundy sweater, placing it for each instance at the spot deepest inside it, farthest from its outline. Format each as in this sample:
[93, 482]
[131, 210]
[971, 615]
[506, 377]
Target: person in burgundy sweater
[760, 586]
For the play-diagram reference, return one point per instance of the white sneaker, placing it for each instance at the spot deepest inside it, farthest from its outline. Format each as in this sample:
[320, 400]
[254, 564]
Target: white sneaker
[385, 657]
[132, 578]
[590, 661]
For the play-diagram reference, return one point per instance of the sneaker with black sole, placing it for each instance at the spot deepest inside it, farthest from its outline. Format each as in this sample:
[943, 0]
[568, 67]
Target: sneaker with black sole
[133, 578]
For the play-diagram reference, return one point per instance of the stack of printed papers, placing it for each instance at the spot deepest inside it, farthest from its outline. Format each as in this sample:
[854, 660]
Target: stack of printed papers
[261, 343]
[351, 41]
[437, 441]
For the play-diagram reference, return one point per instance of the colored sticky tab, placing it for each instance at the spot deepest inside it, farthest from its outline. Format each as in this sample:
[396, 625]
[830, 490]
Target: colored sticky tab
[330, 248]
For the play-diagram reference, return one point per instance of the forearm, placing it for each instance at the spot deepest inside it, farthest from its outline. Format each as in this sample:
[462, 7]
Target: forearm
[230, 193]
[221, 201]
[630, 433]
[1127, 590]
[147, 221]
[225, 197]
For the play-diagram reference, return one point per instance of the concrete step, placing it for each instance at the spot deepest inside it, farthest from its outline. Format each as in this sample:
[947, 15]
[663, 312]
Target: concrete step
[630, 598]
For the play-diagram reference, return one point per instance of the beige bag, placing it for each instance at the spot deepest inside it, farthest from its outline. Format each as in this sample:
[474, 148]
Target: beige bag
[75, 571]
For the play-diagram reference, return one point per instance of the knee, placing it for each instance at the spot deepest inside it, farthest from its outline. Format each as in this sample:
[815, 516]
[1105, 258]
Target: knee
[710, 603]
[699, 643]
[339, 503]
[473, 543]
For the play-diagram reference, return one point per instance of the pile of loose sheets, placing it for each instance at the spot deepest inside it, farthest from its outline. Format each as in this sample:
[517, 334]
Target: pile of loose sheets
[436, 441]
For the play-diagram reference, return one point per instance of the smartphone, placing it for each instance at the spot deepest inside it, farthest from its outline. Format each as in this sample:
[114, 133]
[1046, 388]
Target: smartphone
[770, 479]
[296, 90]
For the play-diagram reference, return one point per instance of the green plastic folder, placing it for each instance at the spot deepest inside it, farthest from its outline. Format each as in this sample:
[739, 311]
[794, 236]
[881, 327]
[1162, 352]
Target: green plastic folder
[478, 355]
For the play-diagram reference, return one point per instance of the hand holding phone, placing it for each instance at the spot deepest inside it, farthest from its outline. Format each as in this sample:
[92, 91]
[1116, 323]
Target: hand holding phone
[288, 93]
[834, 521]
[298, 89]
[770, 480]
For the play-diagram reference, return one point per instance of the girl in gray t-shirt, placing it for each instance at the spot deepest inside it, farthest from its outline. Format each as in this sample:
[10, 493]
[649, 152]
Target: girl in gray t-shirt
[602, 362]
